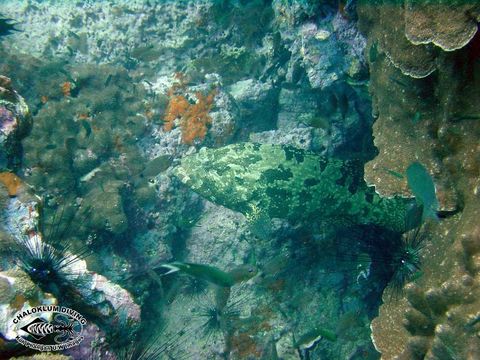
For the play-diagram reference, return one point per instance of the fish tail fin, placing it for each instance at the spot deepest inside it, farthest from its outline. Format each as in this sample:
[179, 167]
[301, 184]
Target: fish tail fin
[171, 268]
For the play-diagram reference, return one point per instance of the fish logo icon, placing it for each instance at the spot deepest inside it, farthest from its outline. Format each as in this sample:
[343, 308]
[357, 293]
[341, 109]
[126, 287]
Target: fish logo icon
[64, 327]
[49, 328]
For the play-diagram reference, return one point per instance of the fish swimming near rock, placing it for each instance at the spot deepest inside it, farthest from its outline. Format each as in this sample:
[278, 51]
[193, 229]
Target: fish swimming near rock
[212, 274]
[423, 187]
[289, 183]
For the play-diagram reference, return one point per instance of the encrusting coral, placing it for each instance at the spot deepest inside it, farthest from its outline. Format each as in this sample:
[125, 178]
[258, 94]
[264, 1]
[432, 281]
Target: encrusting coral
[194, 119]
[433, 121]
[447, 24]
[412, 33]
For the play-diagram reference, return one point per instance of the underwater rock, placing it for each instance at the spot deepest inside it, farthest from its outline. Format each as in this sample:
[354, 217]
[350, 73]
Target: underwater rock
[300, 138]
[15, 122]
[225, 120]
[119, 298]
[321, 51]
[337, 122]
[256, 101]
[216, 238]
[70, 282]
[80, 142]
[152, 245]
[204, 113]
[295, 104]
[107, 207]
[110, 26]
[285, 182]
[44, 356]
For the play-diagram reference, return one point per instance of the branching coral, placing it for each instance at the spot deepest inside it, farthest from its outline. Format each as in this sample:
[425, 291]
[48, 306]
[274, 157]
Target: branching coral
[194, 118]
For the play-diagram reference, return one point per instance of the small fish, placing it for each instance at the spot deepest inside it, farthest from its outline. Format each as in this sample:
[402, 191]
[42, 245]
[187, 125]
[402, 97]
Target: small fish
[157, 166]
[311, 338]
[243, 272]
[70, 51]
[67, 74]
[6, 26]
[51, 146]
[423, 187]
[70, 144]
[201, 271]
[318, 122]
[364, 263]
[353, 82]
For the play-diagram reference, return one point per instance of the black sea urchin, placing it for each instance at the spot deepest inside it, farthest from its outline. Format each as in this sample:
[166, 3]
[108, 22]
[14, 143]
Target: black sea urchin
[47, 257]
[406, 259]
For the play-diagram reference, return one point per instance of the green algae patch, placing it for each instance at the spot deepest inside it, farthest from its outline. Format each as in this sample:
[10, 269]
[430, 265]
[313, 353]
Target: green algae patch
[290, 183]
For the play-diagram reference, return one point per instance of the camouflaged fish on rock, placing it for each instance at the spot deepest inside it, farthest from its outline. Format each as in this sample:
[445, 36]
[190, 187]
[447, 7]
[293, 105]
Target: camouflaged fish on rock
[286, 182]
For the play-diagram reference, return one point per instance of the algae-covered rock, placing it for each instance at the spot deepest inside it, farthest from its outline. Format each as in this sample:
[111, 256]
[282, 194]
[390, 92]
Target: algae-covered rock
[83, 139]
[106, 208]
[285, 182]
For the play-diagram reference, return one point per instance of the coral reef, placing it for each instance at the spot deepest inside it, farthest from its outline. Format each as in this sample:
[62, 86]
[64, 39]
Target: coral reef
[89, 144]
[433, 121]
[108, 137]
[414, 44]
